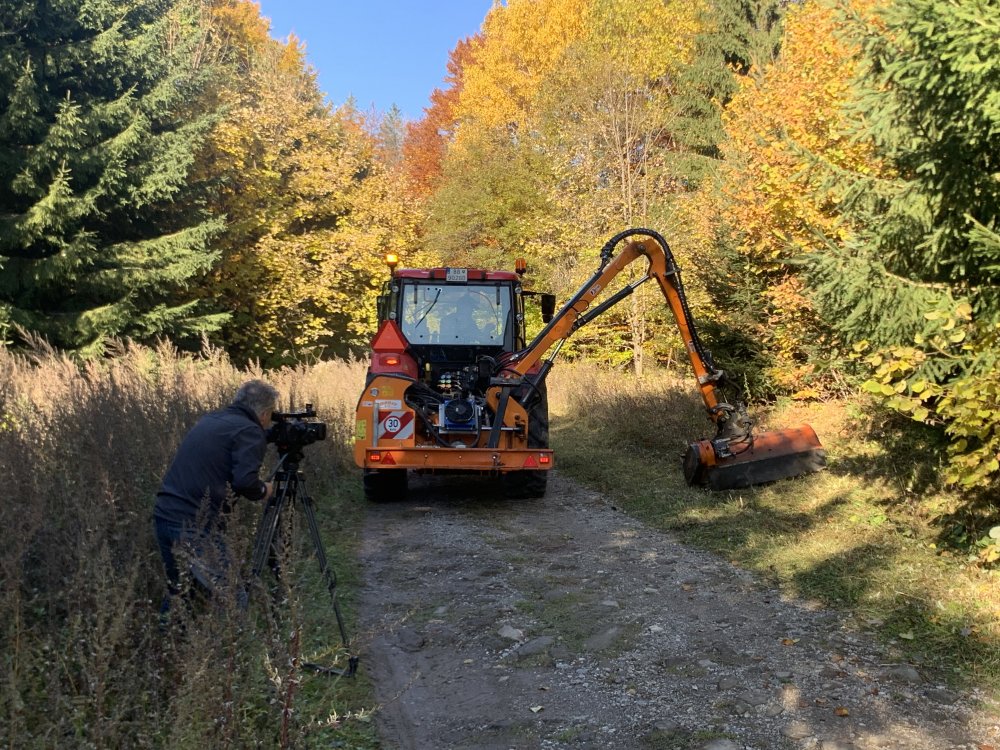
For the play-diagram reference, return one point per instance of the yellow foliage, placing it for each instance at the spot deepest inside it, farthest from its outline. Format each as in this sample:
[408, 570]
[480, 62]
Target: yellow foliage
[649, 39]
[795, 105]
[968, 405]
[782, 122]
[524, 44]
[308, 206]
[520, 43]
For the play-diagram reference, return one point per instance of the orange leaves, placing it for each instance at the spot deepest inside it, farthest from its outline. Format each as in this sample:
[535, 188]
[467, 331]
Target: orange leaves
[426, 141]
[787, 130]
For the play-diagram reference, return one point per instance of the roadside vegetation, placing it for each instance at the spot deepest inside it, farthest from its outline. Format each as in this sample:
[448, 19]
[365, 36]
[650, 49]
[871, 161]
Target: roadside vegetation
[82, 448]
[85, 660]
[877, 534]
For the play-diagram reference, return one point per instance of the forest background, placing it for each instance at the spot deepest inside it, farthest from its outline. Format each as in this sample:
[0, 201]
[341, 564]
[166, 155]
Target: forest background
[826, 172]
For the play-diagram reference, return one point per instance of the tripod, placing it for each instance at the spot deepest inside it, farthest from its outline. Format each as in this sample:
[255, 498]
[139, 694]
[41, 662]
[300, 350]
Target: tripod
[289, 486]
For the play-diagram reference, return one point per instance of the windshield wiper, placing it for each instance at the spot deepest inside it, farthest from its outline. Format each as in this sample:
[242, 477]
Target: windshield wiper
[429, 308]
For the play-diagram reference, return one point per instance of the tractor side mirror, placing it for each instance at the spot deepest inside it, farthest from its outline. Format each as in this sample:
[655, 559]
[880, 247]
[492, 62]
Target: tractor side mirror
[548, 307]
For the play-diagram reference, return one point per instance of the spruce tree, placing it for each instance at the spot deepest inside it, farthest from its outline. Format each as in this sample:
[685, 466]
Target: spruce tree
[919, 279]
[927, 236]
[741, 37]
[390, 136]
[100, 232]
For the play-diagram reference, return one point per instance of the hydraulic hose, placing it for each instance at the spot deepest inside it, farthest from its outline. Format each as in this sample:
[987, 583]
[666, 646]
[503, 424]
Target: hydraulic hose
[607, 253]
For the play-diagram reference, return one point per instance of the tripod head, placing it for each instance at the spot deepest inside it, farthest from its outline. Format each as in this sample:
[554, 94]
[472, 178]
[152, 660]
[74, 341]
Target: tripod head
[288, 466]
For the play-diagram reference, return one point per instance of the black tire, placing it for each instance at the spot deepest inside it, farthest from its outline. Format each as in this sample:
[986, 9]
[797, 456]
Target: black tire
[385, 485]
[528, 483]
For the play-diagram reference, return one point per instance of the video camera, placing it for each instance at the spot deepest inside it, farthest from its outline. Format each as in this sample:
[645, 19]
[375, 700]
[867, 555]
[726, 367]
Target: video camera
[292, 430]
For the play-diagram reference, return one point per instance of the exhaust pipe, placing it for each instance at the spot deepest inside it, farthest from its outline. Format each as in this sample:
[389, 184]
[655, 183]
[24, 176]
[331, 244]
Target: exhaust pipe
[729, 463]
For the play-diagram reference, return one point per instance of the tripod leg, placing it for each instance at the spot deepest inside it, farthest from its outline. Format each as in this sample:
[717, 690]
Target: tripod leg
[331, 584]
[267, 529]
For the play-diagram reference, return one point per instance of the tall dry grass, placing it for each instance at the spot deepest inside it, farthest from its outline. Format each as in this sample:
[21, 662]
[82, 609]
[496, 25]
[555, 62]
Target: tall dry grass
[85, 660]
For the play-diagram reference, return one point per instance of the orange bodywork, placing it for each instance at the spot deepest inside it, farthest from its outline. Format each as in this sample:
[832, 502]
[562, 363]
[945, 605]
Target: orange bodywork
[386, 436]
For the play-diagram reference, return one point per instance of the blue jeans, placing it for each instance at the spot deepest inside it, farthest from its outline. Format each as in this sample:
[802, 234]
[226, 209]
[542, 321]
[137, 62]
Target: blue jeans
[206, 551]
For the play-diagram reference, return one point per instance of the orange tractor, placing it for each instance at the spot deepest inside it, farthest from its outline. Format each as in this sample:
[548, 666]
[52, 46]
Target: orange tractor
[453, 385]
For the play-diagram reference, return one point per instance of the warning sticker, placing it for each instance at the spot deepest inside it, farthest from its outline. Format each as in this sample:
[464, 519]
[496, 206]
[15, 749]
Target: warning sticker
[395, 425]
[360, 429]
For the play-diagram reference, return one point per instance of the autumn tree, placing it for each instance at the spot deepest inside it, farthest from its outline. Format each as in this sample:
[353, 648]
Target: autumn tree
[770, 210]
[492, 194]
[559, 134]
[297, 272]
[604, 120]
[104, 111]
[426, 140]
[521, 43]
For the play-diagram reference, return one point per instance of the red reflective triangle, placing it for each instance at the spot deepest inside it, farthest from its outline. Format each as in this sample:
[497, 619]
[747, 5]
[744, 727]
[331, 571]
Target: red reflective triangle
[530, 462]
[388, 460]
[389, 339]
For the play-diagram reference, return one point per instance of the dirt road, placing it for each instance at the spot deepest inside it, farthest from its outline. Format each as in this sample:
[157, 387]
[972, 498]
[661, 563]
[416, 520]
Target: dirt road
[563, 623]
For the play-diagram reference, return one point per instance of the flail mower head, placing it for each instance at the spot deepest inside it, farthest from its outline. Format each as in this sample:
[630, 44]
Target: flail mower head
[748, 459]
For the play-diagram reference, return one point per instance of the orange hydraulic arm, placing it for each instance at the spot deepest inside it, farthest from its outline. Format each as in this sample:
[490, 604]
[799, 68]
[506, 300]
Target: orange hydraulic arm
[575, 314]
[735, 457]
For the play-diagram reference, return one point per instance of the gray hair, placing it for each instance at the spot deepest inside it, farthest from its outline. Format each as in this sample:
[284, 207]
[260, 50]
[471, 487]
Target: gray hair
[259, 396]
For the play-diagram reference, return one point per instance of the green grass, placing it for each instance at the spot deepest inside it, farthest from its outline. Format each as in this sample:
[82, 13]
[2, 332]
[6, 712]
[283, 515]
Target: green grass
[867, 535]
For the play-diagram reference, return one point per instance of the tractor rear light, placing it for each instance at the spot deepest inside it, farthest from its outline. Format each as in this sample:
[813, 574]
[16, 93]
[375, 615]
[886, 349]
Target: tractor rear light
[544, 459]
[374, 456]
[389, 352]
[394, 363]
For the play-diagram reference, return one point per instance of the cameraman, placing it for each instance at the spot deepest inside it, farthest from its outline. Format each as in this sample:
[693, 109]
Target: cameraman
[222, 453]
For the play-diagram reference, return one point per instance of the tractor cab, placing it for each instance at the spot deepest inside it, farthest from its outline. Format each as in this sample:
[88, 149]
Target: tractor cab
[453, 317]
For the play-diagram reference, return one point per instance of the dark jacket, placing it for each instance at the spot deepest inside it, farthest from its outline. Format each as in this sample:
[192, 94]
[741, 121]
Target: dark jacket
[223, 450]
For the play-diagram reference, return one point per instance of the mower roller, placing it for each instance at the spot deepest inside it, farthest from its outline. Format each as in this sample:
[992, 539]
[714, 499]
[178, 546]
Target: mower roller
[757, 459]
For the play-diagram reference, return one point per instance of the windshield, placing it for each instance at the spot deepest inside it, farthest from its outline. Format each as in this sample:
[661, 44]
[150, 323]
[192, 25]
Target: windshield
[442, 314]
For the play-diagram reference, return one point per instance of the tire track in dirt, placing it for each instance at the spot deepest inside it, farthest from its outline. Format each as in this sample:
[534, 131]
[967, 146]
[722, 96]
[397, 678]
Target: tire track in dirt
[563, 623]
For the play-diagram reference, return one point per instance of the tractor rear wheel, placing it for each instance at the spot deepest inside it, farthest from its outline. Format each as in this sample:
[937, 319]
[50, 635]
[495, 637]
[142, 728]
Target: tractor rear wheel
[527, 483]
[385, 485]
